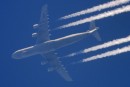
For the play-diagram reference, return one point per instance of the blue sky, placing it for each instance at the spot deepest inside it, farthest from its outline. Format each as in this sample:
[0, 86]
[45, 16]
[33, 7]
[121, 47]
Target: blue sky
[17, 18]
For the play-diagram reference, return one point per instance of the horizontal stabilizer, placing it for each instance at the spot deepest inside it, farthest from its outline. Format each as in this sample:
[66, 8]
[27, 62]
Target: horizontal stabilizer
[95, 34]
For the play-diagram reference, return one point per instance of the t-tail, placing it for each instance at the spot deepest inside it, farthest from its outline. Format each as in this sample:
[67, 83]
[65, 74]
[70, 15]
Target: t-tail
[95, 34]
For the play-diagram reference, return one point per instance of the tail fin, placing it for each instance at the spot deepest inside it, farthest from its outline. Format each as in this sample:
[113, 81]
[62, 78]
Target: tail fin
[95, 34]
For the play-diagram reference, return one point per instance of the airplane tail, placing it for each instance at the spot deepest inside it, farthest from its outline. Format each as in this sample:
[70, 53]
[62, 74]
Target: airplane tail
[95, 34]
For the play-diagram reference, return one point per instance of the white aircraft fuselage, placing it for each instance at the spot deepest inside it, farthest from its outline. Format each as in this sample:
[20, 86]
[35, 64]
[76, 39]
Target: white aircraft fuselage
[50, 45]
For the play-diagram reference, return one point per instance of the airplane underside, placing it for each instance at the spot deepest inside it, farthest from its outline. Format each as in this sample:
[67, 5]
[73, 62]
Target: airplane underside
[46, 47]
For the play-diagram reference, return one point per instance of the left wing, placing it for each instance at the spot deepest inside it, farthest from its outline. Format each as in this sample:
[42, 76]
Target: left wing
[43, 32]
[56, 65]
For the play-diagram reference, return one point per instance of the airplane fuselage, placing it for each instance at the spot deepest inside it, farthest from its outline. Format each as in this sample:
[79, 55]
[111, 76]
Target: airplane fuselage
[50, 45]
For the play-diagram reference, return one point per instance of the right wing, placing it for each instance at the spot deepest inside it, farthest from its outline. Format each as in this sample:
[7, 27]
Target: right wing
[43, 32]
[56, 65]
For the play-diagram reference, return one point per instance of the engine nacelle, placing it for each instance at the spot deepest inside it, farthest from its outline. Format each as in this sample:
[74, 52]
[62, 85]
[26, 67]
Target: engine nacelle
[35, 26]
[34, 35]
[44, 62]
[50, 69]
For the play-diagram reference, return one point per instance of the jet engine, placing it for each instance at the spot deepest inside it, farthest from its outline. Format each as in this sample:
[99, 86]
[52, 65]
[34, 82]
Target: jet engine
[44, 62]
[34, 35]
[50, 69]
[35, 26]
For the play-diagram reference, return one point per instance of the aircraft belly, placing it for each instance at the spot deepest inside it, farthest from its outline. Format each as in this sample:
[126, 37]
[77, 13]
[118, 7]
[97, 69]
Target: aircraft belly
[69, 40]
[45, 47]
[52, 45]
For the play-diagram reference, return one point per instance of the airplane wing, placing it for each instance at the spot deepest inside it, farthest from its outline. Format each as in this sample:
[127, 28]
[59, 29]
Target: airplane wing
[56, 65]
[43, 32]
[51, 57]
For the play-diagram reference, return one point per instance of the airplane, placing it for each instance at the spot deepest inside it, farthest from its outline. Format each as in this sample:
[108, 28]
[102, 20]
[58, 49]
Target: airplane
[47, 47]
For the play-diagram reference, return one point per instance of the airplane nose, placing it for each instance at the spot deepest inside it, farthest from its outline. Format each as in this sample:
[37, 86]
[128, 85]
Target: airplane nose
[16, 55]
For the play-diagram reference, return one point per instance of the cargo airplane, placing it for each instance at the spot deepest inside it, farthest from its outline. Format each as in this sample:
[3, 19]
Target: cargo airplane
[46, 47]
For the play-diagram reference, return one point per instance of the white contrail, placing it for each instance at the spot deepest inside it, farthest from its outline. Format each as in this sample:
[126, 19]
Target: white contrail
[99, 16]
[108, 54]
[97, 8]
[108, 44]
[102, 46]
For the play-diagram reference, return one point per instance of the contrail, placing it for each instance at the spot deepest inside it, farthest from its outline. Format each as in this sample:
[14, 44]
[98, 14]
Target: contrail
[108, 54]
[99, 16]
[102, 46]
[97, 8]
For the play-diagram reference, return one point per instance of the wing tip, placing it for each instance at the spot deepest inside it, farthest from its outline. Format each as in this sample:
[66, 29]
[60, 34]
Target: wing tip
[68, 78]
[44, 7]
